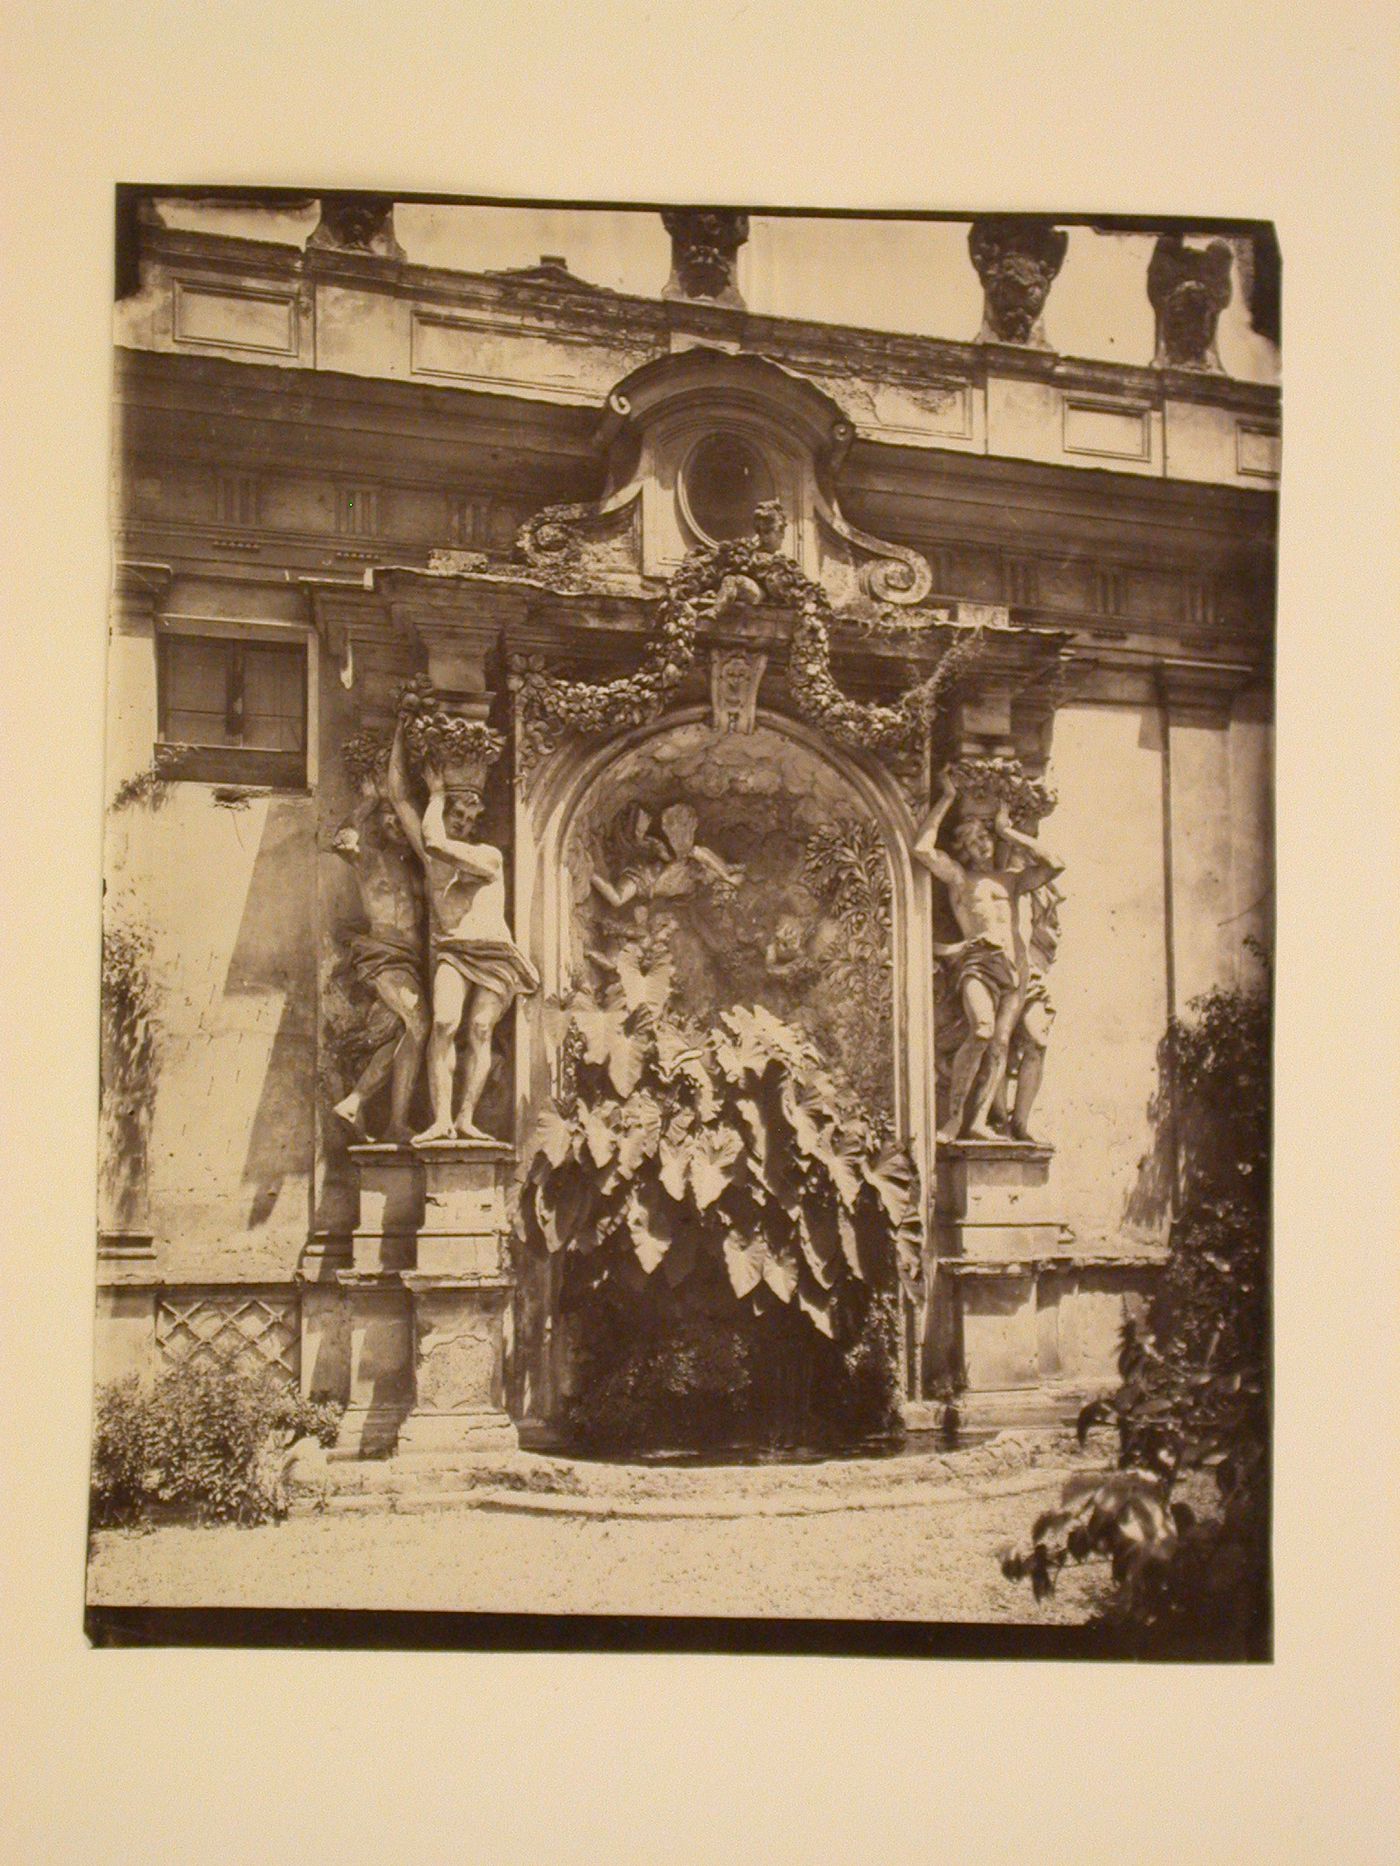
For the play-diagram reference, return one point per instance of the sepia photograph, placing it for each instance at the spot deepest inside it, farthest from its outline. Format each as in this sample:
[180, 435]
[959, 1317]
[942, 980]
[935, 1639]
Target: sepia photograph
[698, 1137]
[688, 926]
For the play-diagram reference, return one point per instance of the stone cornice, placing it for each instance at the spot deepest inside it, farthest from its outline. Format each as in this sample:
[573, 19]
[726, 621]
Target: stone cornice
[604, 315]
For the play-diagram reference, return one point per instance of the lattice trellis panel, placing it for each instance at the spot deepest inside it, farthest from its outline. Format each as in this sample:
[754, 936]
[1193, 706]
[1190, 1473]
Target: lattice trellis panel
[228, 1329]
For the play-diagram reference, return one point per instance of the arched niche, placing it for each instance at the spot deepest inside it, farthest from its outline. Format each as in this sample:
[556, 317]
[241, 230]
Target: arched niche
[560, 821]
[759, 801]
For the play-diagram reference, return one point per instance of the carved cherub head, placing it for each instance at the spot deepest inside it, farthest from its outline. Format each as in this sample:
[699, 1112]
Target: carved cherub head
[769, 524]
[789, 936]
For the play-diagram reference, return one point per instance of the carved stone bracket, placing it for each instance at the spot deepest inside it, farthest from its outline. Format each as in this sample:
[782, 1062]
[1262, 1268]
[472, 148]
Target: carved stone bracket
[705, 244]
[1017, 259]
[1189, 288]
[576, 547]
[139, 592]
[892, 573]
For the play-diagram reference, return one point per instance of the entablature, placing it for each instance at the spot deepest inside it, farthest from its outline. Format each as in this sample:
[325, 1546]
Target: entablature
[542, 335]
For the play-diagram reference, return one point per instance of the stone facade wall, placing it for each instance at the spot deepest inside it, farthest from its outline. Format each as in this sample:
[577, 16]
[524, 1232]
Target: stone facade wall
[1109, 984]
[239, 511]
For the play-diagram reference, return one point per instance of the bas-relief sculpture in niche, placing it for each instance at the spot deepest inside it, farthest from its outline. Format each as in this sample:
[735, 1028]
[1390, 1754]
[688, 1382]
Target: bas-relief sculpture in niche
[994, 1008]
[746, 862]
[438, 955]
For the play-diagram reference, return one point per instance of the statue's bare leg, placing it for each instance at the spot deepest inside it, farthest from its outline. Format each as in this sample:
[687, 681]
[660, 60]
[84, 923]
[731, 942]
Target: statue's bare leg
[1032, 1039]
[482, 1017]
[403, 994]
[351, 1108]
[979, 1013]
[449, 999]
[1008, 1012]
[1000, 1112]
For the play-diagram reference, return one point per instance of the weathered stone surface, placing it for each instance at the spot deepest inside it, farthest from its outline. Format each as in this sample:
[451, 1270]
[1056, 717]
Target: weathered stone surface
[1189, 288]
[457, 1345]
[1017, 260]
[705, 244]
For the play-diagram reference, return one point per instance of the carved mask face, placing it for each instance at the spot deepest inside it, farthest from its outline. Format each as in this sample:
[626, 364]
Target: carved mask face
[769, 525]
[787, 937]
[1188, 323]
[733, 678]
[355, 223]
[1017, 294]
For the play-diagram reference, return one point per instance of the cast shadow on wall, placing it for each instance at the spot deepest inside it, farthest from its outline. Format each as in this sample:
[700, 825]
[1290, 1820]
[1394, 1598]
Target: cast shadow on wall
[1152, 1196]
[274, 955]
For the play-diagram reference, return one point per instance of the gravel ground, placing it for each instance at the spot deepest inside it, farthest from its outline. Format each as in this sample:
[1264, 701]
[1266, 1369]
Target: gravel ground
[932, 1561]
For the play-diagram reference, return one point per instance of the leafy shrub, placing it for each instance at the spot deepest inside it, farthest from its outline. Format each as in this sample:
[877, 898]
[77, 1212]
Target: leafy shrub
[205, 1438]
[297, 1416]
[1193, 1401]
[151, 785]
[119, 1461]
[686, 1168]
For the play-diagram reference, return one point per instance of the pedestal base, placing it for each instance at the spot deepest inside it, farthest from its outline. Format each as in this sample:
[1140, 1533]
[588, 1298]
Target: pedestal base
[444, 1434]
[367, 1432]
[994, 1225]
[428, 1297]
[458, 1364]
[381, 1368]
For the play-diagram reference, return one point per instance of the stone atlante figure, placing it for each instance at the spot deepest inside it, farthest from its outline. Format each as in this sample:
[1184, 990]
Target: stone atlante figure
[475, 967]
[388, 959]
[990, 967]
[1020, 1080]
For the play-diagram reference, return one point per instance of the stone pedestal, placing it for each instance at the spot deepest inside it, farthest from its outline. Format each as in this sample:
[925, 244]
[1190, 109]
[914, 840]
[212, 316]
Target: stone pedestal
[460, 1290]
[994, 1226]
[994, 1201]
[428, 1297]
[461, 1229]
[458, 1365]
[1019, 1307]
[391, 1207]
[381, 1363]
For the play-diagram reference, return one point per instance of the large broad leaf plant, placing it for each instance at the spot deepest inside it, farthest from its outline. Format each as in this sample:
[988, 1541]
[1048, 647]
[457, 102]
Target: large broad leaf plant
[683, 1147]
[1192, 1410]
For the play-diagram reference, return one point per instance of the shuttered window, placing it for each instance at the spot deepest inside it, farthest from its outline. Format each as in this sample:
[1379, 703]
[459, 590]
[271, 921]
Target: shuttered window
[234, 709]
